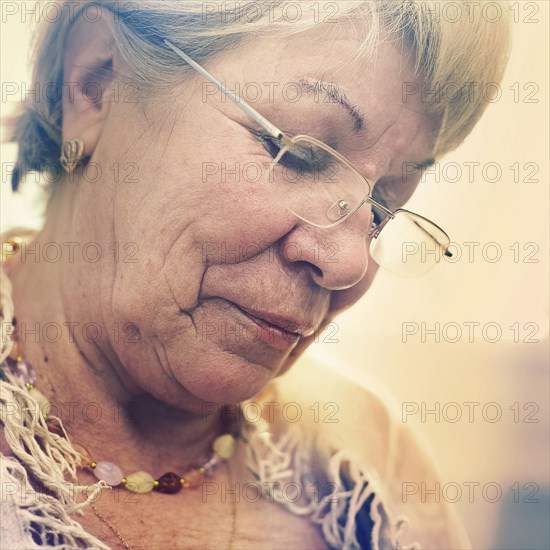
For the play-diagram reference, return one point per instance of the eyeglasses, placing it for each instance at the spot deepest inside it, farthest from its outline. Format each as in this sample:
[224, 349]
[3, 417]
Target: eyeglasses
[324, 189]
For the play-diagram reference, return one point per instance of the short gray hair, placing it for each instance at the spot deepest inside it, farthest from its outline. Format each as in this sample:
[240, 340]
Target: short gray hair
[459, 51]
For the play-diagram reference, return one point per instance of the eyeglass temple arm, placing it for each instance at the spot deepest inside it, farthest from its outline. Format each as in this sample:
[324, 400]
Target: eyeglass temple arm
[252, 113]
[447, 253]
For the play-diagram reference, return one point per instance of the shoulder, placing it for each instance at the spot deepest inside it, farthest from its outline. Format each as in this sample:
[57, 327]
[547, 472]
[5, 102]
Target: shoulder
[363, 418]
[357, 415]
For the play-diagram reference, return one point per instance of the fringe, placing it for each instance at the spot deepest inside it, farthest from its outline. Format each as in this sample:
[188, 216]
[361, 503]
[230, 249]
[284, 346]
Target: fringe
[278, 465]
[51, 460]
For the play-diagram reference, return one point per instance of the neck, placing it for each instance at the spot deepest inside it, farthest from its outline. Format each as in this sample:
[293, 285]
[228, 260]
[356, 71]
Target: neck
[84, 379]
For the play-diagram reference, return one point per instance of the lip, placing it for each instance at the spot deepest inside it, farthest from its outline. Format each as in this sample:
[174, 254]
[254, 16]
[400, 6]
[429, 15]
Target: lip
[270, 329]
[286, 324]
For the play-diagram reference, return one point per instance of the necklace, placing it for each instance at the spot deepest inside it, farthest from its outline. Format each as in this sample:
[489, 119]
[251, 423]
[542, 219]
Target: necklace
[139, 482]
[125, 543]
[111, 527]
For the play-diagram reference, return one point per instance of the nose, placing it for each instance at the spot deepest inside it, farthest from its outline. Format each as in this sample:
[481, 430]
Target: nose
[336, 257]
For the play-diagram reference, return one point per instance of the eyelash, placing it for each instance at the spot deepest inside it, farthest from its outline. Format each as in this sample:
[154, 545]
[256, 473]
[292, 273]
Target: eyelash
[299, 159]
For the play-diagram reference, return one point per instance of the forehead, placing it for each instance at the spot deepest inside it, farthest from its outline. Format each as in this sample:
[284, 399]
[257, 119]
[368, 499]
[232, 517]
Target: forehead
[374, 83]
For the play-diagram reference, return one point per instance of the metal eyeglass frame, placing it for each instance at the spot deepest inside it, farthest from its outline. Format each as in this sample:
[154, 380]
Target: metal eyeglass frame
[291, 141]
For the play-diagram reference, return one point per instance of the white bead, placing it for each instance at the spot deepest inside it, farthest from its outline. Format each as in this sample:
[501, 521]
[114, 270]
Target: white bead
[108, 472]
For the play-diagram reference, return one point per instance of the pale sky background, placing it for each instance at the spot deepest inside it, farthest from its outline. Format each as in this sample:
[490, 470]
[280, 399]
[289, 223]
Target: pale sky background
[369, 337]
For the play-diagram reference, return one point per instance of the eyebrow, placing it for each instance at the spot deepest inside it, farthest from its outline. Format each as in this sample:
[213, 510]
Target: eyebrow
[331, 92]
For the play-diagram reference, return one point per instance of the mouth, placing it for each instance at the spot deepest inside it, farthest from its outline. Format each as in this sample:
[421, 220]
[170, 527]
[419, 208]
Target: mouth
[277, 331]
[286, 324]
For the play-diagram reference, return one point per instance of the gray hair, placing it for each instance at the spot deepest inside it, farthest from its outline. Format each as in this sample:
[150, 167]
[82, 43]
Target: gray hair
[453, 51]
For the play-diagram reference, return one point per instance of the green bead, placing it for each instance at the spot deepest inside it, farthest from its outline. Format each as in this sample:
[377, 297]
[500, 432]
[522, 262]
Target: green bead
[224, 446]
[42, 401]
[140, 482]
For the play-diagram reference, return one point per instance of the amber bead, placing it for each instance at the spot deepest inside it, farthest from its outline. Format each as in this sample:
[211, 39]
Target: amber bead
[169, 483]
[192, 478]
[85, 456]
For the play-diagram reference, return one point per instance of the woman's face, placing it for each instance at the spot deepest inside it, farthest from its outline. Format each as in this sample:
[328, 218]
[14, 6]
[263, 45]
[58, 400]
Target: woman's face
[213, 245]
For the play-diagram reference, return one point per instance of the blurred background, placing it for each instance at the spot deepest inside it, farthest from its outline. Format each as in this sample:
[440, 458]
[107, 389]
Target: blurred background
[476, 329]
[481, 193]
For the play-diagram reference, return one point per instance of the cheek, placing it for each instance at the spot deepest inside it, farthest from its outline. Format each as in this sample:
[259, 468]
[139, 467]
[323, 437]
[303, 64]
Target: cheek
[191, 207]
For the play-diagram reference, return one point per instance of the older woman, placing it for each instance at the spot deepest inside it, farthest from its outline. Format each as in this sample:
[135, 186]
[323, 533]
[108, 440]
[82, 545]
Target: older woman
[225, 180]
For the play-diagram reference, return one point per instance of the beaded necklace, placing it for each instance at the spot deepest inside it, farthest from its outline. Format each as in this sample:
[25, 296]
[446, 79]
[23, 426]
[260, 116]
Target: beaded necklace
[223, 449]
[223, 446]
[128, 547]
[140, 481]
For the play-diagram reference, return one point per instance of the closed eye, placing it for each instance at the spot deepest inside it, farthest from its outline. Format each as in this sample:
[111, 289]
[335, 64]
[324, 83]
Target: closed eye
[300, 159]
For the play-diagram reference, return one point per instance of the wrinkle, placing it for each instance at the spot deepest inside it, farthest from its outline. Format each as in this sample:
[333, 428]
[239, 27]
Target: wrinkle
[167, 253]
[175, 119]
[165, 365]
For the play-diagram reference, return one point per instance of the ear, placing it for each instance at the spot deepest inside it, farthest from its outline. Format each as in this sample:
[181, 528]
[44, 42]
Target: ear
[89, 68]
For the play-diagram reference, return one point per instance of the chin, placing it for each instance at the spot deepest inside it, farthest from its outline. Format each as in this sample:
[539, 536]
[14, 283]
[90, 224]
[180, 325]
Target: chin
[224, 378]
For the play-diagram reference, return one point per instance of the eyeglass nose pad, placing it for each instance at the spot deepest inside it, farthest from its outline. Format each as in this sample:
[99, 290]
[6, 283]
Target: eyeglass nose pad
[338, 210]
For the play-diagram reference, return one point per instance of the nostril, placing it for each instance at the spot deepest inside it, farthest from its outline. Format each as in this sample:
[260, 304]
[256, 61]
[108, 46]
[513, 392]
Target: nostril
[317, 272]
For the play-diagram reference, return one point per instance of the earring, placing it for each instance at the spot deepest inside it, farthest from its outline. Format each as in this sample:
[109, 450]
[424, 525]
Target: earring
[71, 154]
